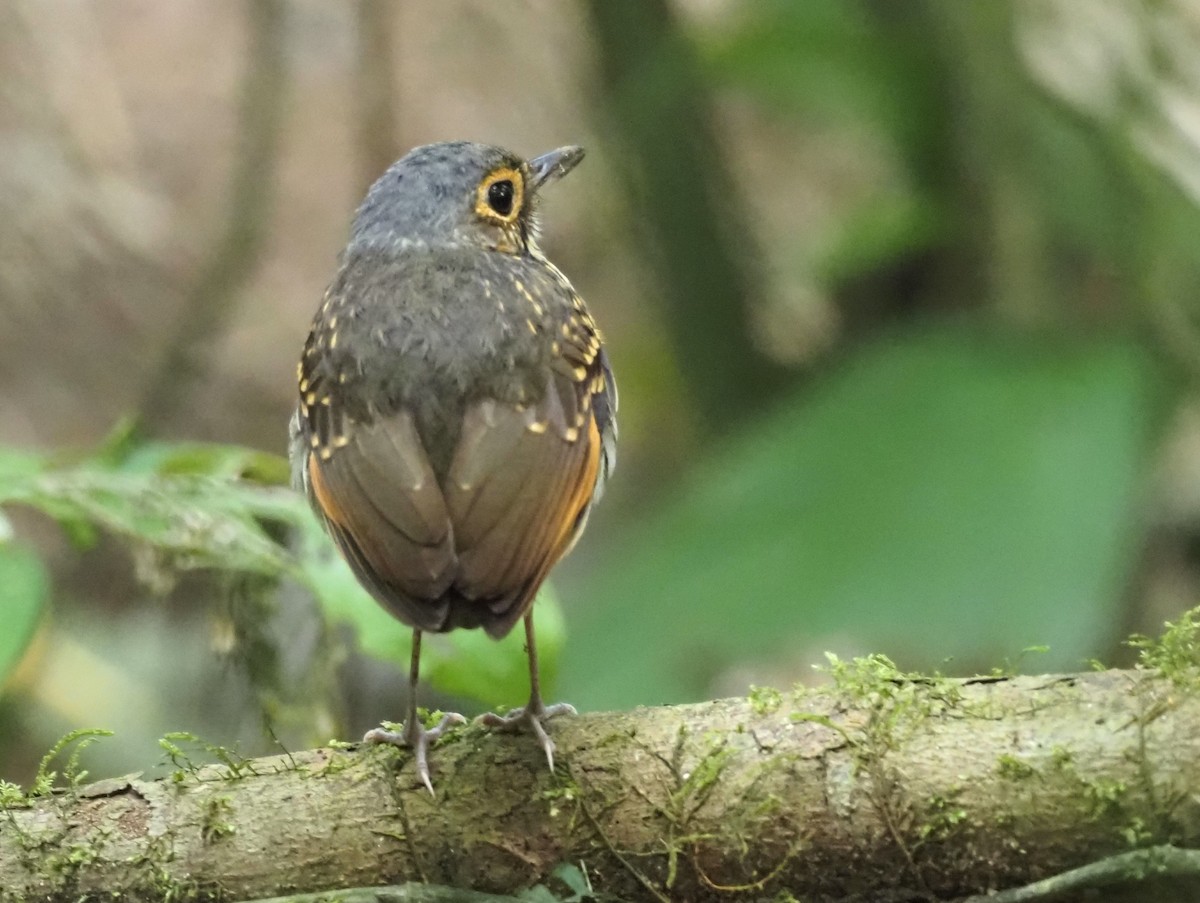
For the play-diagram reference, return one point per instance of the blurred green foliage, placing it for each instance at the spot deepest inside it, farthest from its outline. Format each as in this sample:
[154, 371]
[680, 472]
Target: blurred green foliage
[188, 506]
[970, 484]
[23, 594]
[949, 493]
[1028, 198]
[842, 61]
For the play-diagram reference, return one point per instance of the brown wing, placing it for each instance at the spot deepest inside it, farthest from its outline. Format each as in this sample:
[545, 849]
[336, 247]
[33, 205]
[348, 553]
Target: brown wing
[518, 488]
[475, 551]
[370, 480]
[382, 504]
[523, 478]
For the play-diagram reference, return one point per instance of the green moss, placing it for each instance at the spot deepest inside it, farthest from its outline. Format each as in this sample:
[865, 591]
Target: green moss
[893, 697]
[1103, 795]
[1175, 654]
[154, 875]
[46, 781]
[824, 721]
[941, 817]
[12, 796]
[696, 767]
[433, 717]
[49, 854]
[180, 746]
[565, 794]
[1011, 768]
[398, 836]
[1011, 668]
[216, 823]
[765, 700]
[615, 738]
[66, 862]
[1137, 833]
[1061, 757]
[897, 705]
[337, 760]
[700, 781]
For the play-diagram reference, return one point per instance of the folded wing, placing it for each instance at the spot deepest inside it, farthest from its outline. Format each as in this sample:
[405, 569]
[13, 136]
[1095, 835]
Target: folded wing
[384, 509]
[518, 490]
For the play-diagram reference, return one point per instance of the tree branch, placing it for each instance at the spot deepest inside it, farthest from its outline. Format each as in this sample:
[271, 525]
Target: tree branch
[881, 788]
[1161, 862]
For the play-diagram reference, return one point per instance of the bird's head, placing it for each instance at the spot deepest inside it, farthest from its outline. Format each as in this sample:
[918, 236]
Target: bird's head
[459, 193]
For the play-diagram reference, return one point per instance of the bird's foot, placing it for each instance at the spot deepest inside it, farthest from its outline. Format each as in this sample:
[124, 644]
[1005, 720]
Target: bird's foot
[532, 717]
[417, 738]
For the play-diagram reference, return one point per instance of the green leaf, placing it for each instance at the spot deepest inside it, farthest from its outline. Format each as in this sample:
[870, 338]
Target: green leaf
[944, 494]
[344, 600]
[194, 521]
[18, 468]
[571, 875]
[24, 590]
[537, 894]
[206, 459]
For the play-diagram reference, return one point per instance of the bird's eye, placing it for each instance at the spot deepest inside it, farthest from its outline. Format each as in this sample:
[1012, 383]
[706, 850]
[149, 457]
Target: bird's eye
[500, 196]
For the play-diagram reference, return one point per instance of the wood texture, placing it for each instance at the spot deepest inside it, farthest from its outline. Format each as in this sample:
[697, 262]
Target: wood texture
[879, 789]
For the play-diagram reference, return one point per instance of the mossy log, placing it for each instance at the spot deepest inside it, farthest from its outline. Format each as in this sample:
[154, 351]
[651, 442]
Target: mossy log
[880, 788]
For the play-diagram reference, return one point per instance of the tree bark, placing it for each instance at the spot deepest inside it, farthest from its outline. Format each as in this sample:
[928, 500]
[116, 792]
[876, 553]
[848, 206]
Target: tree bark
[879, 788]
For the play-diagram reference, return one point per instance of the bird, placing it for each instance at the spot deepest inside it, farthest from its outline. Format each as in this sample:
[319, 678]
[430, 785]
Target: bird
[456, 418]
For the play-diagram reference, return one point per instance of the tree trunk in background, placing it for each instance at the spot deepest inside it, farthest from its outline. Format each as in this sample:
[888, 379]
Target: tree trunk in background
[375, 83]
[694, 234]
[210, 304]
[881, 789]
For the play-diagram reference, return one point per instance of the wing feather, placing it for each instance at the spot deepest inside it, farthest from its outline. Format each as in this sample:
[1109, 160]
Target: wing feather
[517, 512]
[384, 508]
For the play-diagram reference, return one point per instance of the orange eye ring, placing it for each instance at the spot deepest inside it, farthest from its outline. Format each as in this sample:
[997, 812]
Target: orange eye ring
[500, 196]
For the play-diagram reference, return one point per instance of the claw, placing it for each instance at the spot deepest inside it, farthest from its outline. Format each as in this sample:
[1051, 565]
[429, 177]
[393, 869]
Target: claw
[532, 717]
[417, 738]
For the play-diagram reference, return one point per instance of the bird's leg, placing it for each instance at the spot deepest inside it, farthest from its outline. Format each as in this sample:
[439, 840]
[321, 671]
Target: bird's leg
[415, 735]
[535, 712]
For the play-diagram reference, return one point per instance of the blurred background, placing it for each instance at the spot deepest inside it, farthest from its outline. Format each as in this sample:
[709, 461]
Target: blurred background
[903, 301]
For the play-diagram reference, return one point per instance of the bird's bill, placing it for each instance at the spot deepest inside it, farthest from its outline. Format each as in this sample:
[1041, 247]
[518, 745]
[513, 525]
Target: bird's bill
[552, 166]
